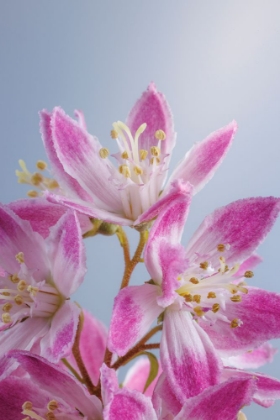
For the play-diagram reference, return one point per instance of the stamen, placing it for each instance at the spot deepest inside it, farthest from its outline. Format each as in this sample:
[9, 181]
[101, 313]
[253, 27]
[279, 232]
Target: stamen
[243, 289]
[155, 151]
[197, 298]
[32, 290]
[235, 323]
[236, 298]
[36, 179]
[18, 299]
[188, 298]
[204, 265]
[7, 307]
[52, 405]
[221, 247]
[20, 257]
[41, 165]
[51, 184]
[160, 135]
[248, 274]
[125, 155]
[104, 152]
[143, 154]
[6, 318]
[32, 193]
[114, 134]
[14, 278]
[21, 286]
[138, 170]
[27, 405]
[215, 307]
[125, 171]
[155, 160]
[6, 293]
[50, 416]
[211, 295]
[198, 311]
[194, 280]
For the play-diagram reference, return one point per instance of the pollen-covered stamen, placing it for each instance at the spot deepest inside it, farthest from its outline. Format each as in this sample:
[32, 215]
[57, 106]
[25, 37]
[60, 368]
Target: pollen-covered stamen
[138, 170]
[36, 179]
[221, 247]
[204, 265]
[32, 193]
[160, 135]
[215, 307]
[143, 154]
[211, 295]
[194, 280]
[6, 318]
[52, 405]
[248, 274]
[7, 307]
[41, 165]
[29, 410]
[236, 298]
[20, 257]
[235, 323]
[125, 171]
[114, 134]
[104, 152]
[124, 155]
[155, 151]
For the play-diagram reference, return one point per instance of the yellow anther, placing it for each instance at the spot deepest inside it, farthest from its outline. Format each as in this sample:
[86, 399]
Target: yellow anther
[6, 318]
[104, 152]
[6, 293]
[125, 171]
[215, 307]
[155, 160]
[36, 179]
[160, 135]
[114, 134]
[143, 154]
[14, 278]
[20, 257]
[243, 289]
[32, 193]
[188, 298]
[234, 323]
[236, 298]
[197, 298]
[233, 289]
[7, 307]
[52, 405]
[51, 184]
[27, 405]
[138, 170]
[21, 285]
[204, 265]
[222, 260]
[221, 247]
[18, 299]
[41, 165]
[248, 274]
[211, 295]
[50, 416]
[32, 290]
[155, 151]
[198, 311]
[194, 280]
[125, 155]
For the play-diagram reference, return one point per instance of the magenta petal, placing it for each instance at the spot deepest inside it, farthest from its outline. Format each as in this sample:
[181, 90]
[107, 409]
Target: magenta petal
[201, 162]
[152, 109]
[187, 355]
[252, 359]
[134, 311]
[65, 180]
[164, 399]
[257, 326]
[67, 254]
[254, 217]
[222, 401]
[58, 342]
[168, 227]
[137, 376]
[79, 154]
[109, 383]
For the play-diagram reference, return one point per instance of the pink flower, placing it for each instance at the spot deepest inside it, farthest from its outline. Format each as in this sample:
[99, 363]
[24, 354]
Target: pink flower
[128, 193]
[39, 275]
[205, 306]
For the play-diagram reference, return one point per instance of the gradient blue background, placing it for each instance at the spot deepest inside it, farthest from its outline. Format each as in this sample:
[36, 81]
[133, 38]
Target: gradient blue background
[214, 60]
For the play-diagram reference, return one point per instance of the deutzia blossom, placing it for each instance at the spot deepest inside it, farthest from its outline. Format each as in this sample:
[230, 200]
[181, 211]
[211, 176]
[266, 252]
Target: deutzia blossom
[131, 192]
[38, 277]
[198, 290]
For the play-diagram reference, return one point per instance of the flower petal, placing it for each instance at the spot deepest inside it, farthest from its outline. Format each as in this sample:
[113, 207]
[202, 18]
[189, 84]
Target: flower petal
[242, 224]
[137, 376]
[249, 264]
[59, 340]
[109, 383]
[152, 109]
[187, 355]
[203, 159]
[79, 154]
[257, 326]
[252, 359]
[164, 399]
[67, 254]
[222, 401]
[134, 311]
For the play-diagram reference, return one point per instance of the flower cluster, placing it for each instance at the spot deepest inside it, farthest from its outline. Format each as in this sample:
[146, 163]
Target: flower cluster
[193, 329]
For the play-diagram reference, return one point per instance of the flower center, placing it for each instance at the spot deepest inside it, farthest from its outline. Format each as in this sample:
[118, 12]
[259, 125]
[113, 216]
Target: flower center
[52, 411]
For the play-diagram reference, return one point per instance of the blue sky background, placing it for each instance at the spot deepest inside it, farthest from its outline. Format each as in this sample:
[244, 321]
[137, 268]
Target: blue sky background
[214, 60]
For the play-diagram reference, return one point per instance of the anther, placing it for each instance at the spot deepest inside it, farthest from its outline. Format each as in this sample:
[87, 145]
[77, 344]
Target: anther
[243, 289]
[155, 151]
[114, 134]
[32, 193]
[234, 323]
[160, 135]
[221, 247]
[236, 298]
[52, 405]
[50, 416]
[51, 184]
[194, 280]
[143, 154]
[215, 307]
[138, 170]
[248, 274]
[20, 257]
[32, 290]
[197, 298]
[211, 295]
[7, 307]
[125, 155]
[18, 299]
[27, 405]
[104, 152]
[155, 160]
[204, 265]
[6, 293]
[198, 311]
[125, 171]
[21, 286]
[41, 165]
[36, 178]
[14, 278]
[188, 298]
[6, 318]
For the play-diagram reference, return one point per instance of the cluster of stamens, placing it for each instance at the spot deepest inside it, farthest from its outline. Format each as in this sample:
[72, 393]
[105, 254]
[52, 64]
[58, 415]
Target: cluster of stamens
[36, 179]
[206, 295]
[51, 409]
